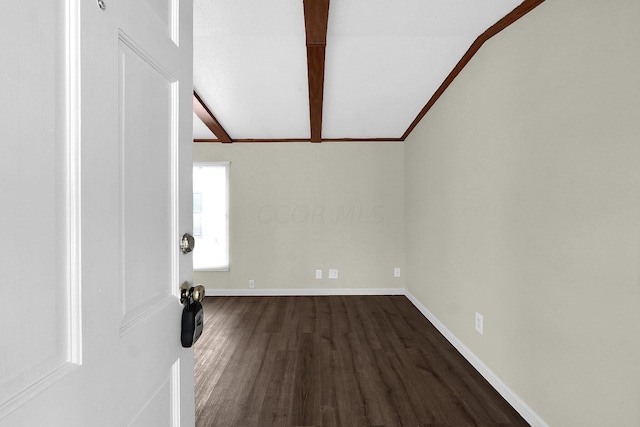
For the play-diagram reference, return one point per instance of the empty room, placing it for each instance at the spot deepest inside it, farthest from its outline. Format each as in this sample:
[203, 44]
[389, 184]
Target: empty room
[305, 213]
[515, 197]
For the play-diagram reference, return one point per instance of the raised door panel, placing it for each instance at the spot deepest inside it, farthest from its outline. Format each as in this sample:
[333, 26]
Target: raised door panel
[168, 12]
[147, 103]
[160, 409]
[39, 330]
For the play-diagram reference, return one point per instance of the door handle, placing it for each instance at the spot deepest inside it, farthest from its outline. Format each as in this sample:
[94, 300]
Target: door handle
[187, 243]
[198, 293]
[195, 293]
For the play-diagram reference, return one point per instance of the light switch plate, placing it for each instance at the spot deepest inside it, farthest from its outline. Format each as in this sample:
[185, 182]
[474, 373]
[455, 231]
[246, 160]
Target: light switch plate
[479, 323]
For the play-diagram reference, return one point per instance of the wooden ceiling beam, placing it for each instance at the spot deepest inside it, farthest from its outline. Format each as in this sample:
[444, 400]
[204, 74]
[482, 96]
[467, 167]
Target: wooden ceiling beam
[207, 117]
[525, 7]
[316, 18]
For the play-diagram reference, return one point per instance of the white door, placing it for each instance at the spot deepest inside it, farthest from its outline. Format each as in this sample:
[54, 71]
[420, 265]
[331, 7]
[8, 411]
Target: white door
[95, 187]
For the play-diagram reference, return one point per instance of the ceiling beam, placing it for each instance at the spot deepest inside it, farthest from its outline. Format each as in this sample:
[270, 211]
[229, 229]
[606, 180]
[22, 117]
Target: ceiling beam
[207, 117]
[525, 7]
[316, 18]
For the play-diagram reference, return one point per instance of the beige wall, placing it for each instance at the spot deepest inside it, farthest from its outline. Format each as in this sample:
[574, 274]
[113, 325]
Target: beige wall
[298, 207]
[523, 203]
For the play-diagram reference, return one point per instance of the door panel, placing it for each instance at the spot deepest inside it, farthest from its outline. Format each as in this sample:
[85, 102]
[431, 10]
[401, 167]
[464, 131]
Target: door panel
[36, 214]
[148, 151]
[96, 186]
[158, 411]
[168, 13]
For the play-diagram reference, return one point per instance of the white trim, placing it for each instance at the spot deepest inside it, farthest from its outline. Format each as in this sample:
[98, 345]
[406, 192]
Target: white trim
[175, 22]
[303, 292]
[220, 163]
[74, 183]
[175, 393]
[509, 395]
[19, 391]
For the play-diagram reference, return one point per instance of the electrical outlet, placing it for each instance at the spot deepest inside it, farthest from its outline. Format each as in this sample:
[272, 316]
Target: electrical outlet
[333, 273]
[396, 272]
[252, 283]
[318, 274]
[479, 323]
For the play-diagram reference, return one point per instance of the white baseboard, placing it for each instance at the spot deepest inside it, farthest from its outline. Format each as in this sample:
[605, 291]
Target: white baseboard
[509, 395]
[303, 292]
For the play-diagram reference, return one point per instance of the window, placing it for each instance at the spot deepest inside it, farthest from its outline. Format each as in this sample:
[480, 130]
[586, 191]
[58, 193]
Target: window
[211, 216]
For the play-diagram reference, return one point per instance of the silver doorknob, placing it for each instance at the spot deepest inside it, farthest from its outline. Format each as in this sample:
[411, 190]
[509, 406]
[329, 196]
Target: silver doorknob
[198, 293]
[187, 243]
[188, 292]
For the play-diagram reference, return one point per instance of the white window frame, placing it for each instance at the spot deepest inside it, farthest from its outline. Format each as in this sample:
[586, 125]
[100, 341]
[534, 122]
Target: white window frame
[198, 239]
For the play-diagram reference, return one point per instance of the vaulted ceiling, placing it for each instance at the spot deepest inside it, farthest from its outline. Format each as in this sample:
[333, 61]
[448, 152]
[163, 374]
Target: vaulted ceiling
[314, 70]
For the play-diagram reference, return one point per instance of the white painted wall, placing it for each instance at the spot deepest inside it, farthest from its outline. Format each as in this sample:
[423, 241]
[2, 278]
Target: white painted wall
[298, 207]
[523, 203]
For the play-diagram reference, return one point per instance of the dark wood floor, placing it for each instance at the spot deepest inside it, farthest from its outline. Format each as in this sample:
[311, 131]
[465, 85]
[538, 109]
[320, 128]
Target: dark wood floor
[335, 361]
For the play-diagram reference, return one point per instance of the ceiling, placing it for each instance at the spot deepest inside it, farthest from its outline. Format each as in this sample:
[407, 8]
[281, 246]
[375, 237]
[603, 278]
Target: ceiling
[373, 67]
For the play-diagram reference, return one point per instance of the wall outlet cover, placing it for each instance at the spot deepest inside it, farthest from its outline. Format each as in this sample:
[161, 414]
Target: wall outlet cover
[479, 323]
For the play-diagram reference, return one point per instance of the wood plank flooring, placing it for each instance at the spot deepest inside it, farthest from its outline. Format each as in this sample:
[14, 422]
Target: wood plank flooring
[335, 361]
